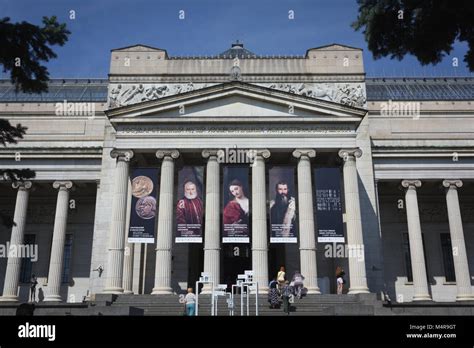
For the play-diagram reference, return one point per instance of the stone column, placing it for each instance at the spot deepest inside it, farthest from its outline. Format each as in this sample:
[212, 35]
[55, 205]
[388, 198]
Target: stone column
[12, 275]
[129, 250]
[59, 235]
[306, 220]
[114, 270]
[355, 240]
[420, 282]
[461, 267]
[259, 221]
[212, 243]
[164, 239]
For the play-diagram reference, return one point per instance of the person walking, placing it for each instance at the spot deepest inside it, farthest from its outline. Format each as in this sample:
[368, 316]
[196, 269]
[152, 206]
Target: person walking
[33, 283]
[281, 277]
[297, 282]
[273, 294]
[190, 303]
[340, 280]
[286, 293]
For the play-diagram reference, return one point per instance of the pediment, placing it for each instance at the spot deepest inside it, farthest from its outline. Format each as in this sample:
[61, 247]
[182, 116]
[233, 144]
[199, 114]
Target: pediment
[235, 100]
[138, 48]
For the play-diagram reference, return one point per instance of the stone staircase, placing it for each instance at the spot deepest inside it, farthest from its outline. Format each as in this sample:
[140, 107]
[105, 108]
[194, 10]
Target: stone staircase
[311, 305]
[168, 305]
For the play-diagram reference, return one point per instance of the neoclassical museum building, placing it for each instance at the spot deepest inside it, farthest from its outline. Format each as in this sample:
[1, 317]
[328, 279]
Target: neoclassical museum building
[174, 166]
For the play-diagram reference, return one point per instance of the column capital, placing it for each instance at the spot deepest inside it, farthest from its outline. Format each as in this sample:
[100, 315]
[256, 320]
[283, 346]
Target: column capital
[208, 153]
[452, 183]
[265, 153]
[411, 183]
[350, 154]
[310, 153]
[173, 153]
[62, 185]
[122, 155]
[22, 185]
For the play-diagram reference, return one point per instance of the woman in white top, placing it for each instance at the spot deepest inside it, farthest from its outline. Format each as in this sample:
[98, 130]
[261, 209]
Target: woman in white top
[190, 301]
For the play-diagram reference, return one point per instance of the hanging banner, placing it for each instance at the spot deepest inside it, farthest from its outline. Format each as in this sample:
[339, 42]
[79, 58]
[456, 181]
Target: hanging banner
[190, 207]
[328, 205]
[236, 205]
[281, 190]
[144, 208]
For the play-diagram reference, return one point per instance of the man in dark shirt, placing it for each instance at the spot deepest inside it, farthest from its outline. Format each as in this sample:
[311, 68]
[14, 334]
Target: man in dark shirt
[33, 284]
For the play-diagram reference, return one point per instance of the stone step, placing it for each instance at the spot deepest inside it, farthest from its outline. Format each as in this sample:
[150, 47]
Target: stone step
[169, 305]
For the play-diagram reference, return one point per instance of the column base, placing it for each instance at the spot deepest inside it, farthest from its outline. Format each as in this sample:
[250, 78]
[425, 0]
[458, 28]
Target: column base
[162, 291]
[261, 290]
[314, 291]
[114, 291]
[422, 298]
[53, 298]
[9, 299]
[465, 297]
[358, 290]
[128, 292]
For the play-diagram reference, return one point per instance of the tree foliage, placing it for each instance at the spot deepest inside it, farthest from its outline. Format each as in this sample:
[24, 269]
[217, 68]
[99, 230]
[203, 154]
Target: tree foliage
[10, 135]
[23, 47]
[426, 29]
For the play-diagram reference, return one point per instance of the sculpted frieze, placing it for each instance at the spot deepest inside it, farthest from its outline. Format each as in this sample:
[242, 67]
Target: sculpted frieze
[351, 94]
[127, 94]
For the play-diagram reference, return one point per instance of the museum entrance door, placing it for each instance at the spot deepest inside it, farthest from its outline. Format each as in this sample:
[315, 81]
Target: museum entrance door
[236, 261]
[276, 259]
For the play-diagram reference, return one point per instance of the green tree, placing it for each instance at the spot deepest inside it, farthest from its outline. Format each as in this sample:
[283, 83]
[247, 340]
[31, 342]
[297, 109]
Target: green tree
[426, 29]
[23, 46]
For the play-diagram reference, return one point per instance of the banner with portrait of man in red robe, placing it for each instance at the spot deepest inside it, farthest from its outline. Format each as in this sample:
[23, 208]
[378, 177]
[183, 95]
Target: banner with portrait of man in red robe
[190, 205]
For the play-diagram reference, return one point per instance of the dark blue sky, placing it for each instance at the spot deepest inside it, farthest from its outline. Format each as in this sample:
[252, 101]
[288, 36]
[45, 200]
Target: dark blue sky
[209, 28]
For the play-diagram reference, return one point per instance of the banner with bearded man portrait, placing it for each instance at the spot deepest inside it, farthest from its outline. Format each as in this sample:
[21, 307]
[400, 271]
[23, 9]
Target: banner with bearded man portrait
[282, 205]
[190, 206]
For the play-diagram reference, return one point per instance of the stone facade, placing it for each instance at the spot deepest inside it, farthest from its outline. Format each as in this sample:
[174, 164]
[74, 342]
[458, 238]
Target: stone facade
[408, 177]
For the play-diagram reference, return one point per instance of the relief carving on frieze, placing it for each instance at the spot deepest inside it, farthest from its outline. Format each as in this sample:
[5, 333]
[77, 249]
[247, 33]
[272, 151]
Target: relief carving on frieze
[350, 94]
[342, 93]
[121, 94]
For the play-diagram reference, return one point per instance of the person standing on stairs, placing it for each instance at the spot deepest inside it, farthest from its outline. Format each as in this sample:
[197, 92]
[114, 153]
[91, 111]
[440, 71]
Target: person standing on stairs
[190, 303]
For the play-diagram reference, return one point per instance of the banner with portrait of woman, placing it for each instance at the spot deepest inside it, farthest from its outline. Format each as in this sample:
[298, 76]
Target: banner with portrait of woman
[190, 205]
[281, 191]
[236, 212]
[143, 208]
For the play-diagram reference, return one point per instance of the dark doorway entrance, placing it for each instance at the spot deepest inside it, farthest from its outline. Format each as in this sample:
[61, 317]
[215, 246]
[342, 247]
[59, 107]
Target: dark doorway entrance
[195, 264]
[236, 261]
[276, 259]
